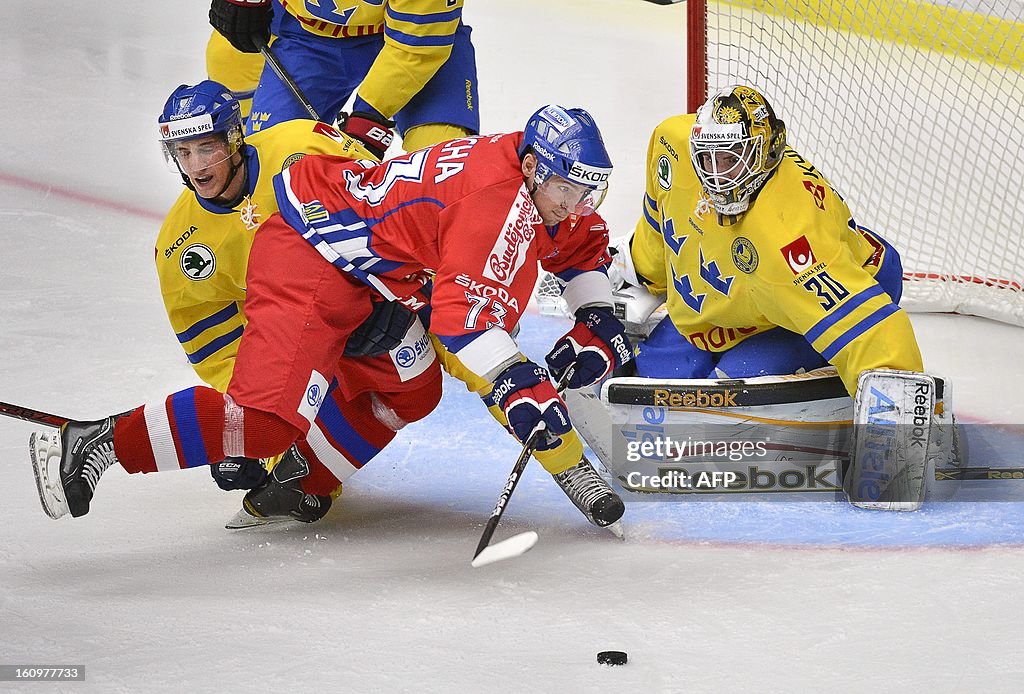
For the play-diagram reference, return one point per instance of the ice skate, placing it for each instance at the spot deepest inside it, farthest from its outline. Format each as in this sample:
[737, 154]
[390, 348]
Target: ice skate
[592, 495]
[281, 497]
[68, 463]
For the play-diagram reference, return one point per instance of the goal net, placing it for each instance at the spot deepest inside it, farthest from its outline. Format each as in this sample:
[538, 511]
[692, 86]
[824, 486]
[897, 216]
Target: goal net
[914, 111]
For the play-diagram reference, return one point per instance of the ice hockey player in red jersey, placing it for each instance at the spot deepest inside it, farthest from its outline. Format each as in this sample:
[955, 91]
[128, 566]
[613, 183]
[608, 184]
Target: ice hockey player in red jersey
[474, 217]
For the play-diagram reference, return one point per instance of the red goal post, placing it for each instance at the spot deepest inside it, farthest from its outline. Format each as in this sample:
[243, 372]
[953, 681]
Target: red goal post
[914, 111]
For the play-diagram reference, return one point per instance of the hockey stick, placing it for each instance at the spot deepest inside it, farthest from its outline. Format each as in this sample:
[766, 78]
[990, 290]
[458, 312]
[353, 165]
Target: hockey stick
[27, 414]
[980, 473]
[279, 70]
[517, 544]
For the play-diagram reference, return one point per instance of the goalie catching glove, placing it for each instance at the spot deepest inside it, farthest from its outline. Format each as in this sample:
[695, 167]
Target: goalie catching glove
[596, 345]
[525, 394]
[244, 23]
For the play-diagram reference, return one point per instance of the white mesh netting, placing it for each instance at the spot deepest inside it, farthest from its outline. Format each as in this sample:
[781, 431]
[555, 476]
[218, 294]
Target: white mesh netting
[915, 112]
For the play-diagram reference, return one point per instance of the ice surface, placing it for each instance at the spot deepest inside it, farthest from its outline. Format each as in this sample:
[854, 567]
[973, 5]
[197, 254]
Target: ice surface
[151, 594]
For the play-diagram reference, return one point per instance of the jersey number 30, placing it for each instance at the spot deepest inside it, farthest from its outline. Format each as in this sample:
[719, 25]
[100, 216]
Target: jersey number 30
[827, 290]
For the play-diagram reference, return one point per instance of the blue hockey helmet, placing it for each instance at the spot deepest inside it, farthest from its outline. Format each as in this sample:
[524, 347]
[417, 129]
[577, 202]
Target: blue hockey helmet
[568, 144]
[198, 111]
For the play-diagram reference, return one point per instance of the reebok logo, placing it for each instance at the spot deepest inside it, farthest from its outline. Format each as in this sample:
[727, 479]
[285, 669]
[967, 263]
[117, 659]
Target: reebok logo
[697, 398]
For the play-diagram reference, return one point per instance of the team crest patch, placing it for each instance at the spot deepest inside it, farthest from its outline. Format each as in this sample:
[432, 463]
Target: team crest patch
[664, 172]
[744, 255]
[292, 159]
[198, 262]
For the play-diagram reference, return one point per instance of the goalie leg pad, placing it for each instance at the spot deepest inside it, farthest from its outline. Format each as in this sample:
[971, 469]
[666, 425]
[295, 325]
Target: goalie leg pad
[890, 456]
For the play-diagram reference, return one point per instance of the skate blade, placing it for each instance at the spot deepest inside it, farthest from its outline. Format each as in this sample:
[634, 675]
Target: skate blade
[616, 530]
[243, 519]
[506, 549]
[44, 447]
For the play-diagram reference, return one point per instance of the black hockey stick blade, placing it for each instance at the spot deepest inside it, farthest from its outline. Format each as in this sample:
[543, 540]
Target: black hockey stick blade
[283, 75]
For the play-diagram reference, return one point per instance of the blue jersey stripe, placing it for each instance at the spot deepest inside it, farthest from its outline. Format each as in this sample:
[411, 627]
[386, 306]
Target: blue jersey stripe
[432, 18]
[359, 449]
[651, 220]
[221, 316]
[214, 345]
[190, 439]
[859, 329]
[410, 40]
[843, 311]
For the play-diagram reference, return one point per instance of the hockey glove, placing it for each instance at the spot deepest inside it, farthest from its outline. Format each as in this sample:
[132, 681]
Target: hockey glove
[596, 345]
[371, 129]
[525, 394]
[382, 331]
[238, 473]
[242, 22]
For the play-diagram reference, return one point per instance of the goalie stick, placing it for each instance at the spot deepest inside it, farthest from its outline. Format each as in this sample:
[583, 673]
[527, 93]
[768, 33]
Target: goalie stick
[271, 59]
[487, 553]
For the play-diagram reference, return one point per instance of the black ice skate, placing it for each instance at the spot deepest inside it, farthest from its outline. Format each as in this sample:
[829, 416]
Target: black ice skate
[68, 464]
[281, 498]
[592, 495]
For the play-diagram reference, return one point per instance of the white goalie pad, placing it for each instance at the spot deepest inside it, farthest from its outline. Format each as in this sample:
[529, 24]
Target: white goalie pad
[894, 451]
[692, 436]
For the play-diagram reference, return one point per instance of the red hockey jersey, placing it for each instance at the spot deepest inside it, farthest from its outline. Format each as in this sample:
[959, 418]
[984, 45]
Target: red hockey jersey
[458, 213]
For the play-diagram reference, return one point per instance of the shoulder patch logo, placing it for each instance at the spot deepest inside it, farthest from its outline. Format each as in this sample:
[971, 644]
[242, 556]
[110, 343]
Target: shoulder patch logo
[198, 262]
[744, 255]
[664, 172]
[292, 158]
[818, 192]
[798, 255]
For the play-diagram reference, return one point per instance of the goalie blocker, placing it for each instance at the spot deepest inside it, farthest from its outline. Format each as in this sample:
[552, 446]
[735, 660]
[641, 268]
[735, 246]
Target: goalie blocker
[794, 433]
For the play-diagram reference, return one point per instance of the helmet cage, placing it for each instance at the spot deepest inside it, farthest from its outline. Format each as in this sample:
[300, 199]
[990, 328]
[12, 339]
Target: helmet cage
[735, 144]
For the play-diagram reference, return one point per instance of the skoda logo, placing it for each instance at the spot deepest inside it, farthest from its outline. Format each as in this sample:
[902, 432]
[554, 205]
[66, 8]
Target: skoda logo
[406, 357]
[313, 395]
[198, 262]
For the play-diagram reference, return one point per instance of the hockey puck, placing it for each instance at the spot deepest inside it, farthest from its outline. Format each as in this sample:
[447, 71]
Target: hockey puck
[612, 658]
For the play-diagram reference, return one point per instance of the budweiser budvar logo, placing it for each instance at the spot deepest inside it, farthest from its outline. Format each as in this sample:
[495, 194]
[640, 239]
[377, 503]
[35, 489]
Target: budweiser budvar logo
[510, 249]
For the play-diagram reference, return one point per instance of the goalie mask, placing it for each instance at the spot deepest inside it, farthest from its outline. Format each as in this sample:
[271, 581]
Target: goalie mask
[735, 144]
[200, 127]
[568, 145]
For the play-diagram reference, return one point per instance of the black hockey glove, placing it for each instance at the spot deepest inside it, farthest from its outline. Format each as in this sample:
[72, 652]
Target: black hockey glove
[242, 22]
[238, 473]
[373, 130]
[382, 331]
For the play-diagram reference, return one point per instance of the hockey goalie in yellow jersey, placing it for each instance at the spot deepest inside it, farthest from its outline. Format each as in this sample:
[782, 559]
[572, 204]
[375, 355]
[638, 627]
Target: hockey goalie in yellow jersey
[764, 271]
[763, 267]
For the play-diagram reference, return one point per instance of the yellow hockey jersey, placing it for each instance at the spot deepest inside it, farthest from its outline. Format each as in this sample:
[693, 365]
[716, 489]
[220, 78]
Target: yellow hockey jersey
[202, 251]
[418, 39]
[794, 259]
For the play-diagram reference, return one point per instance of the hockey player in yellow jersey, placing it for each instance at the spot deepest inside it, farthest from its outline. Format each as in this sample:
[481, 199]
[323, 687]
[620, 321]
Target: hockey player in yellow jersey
[239, 72]
[409, 63]
[763, 269]
[202, 254]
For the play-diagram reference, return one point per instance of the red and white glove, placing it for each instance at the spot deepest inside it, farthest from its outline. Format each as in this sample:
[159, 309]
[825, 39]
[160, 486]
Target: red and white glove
[525, 394]
[596, 345]
[244, 23]
[371, 129]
